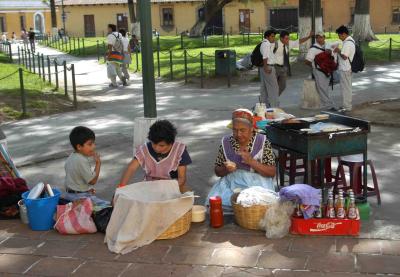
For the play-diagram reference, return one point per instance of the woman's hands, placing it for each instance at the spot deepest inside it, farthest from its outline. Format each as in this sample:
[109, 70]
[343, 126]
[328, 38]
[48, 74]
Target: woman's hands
[230, 166]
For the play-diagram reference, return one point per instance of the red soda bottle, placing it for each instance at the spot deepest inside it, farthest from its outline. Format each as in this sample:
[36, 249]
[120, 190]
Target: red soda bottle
[216, 214]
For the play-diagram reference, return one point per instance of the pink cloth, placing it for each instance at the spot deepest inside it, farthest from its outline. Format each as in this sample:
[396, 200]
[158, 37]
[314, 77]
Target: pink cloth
[159, 170]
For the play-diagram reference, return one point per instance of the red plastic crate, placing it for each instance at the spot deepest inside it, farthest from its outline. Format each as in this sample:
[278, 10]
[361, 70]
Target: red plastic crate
[325, 226]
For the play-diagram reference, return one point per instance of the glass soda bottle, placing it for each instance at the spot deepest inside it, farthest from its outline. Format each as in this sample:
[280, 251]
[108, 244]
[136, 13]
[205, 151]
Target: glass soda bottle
[352, 211]
[330, 208]
[340, 211]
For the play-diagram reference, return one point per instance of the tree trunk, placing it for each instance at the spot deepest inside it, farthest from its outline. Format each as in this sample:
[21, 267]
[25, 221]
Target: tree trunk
[211, 7]
[135, 24]
[53, 17]
[305, 22]
[362, 30]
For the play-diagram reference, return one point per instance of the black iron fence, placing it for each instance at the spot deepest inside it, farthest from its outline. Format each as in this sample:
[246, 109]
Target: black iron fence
[47, 69]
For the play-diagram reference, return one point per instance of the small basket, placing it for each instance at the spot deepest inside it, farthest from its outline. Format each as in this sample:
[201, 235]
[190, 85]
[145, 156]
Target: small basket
[180, 227]
[248, 217]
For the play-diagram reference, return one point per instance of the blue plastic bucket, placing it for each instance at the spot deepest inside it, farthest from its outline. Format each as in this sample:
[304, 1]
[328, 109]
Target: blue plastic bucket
[41, 211]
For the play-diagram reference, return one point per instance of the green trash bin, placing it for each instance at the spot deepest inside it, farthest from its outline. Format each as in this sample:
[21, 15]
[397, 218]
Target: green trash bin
[222, 65]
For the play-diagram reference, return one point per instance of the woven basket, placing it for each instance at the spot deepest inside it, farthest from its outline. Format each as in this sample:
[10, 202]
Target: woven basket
[248, 217]
[180, 227]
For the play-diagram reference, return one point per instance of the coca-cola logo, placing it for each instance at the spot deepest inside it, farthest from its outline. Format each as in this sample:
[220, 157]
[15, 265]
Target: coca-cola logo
[325, 226]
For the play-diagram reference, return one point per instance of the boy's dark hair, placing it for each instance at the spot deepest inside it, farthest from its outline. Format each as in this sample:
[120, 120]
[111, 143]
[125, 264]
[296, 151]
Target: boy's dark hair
[79, 135]
[112, 27]
[268, 33]
[122, 32]
[342, 30]
[162, 130]
[283, 34]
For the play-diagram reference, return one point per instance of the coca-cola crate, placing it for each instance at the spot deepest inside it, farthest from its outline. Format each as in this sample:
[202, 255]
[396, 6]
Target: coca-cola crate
[325, 226]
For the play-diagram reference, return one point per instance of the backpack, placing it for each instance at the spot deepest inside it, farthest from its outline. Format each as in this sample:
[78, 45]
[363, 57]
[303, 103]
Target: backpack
[358, 62]
[256, 57]
[324, 62]
[118, 46]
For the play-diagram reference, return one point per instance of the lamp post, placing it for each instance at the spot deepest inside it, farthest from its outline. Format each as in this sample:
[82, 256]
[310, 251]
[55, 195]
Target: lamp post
[149, 91]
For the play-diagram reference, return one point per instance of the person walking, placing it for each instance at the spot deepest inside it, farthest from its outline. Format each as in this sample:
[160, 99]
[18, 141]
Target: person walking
[322, 78]
[114, 56]
[24, 37]
[345, 56]
[127, 54]
[282, 61]
[31, 37]
[269, 90]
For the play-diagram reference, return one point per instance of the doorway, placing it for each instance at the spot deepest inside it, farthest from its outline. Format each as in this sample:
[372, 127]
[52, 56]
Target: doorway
[244, 21]
[122, 21]
[39, 23]
[89, 26]
[283, 18]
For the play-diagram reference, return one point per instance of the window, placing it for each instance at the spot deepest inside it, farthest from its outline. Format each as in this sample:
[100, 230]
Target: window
[2, 24]
[396, 15]
[22, 21]
[167, 17]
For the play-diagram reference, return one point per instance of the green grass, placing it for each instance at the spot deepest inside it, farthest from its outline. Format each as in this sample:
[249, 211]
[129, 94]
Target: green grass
[377, 51]
[39, 94]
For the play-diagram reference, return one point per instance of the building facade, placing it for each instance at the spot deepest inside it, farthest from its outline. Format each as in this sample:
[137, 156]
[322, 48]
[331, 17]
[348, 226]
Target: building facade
[90, 17]
[252, 15]
[16, 15]
[171, 17]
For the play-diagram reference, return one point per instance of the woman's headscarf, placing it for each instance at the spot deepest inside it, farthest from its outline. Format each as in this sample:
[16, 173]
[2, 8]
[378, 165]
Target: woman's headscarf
[244, 116]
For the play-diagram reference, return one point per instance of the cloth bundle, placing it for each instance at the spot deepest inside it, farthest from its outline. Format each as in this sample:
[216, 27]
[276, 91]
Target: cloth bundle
[142, 212]
[303, 194]
[256, 196]
[241, 179]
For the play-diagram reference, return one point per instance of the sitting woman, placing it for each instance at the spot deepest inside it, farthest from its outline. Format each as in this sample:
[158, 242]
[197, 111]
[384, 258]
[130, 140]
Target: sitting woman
[244, 159]
[162, 158]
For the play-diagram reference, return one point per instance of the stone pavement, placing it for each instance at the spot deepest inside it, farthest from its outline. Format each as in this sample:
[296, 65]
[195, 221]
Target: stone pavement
[40, 146]
[203, 251]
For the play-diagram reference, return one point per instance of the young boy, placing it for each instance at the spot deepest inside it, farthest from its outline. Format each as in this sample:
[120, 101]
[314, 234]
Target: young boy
[162, 158]
[82, 168]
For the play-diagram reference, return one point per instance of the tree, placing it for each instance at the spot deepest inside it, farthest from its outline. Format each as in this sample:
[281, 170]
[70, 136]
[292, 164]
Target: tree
[362, 30]
[53, 14]
[135, 25]
[211, 8]
[305, 21]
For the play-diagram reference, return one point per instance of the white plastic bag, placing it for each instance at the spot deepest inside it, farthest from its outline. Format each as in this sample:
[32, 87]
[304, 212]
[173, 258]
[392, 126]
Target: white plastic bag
[276, 222]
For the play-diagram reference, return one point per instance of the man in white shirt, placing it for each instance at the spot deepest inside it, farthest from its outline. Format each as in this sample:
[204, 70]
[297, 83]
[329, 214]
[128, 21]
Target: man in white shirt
[269, 90]
[321, 80]
[345, 56]
[114, 69]
[127, 54]
[282, 50]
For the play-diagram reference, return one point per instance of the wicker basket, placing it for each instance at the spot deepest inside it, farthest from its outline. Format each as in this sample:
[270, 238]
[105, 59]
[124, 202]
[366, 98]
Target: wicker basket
[248, 217]
[180, 227]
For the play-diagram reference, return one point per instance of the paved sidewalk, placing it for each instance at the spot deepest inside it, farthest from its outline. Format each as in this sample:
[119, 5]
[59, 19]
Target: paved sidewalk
[40, 146]
[203, 251]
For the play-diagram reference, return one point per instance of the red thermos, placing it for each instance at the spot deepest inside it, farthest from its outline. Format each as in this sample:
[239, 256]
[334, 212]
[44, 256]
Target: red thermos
[216, 215]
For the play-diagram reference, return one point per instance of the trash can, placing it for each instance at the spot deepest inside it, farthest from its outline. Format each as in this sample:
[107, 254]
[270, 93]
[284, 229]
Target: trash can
[222, 63]
[41, 211]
